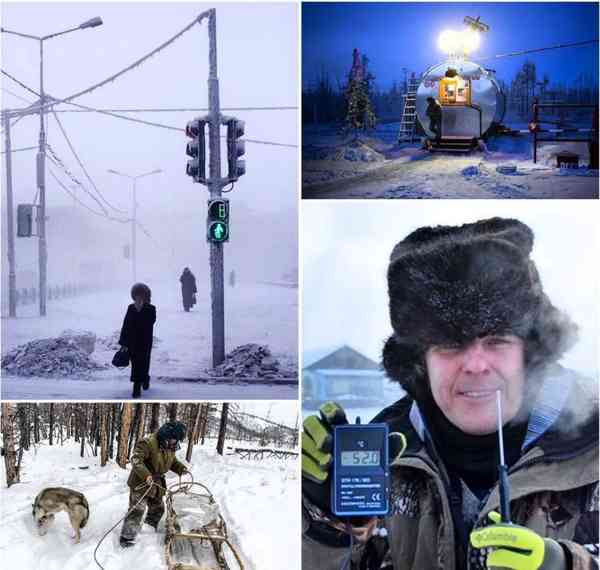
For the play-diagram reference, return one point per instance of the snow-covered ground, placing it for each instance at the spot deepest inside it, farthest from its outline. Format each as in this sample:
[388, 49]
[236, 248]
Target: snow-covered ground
[408, 171]
[259, 501]
[258, 313]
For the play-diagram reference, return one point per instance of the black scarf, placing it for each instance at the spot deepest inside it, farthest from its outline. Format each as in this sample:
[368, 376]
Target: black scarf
[473, 458]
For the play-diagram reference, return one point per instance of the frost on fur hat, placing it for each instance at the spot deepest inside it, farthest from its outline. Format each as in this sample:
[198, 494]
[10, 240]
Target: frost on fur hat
[452, 284]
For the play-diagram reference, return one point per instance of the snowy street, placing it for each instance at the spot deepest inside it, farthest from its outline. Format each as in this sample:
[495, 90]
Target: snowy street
[443, 176]
[379, 168]
[253, 313]
[258, 500]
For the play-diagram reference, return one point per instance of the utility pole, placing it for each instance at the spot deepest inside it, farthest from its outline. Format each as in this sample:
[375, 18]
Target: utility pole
[41, 181]
[134, 233]
[134, 179]
[41, 156]
[12, 279]
[215, 185]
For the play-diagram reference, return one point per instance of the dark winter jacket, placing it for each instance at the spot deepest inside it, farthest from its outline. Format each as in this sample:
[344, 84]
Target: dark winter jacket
[137, 335]
[554, 491]
[434, 111]
[188, 283]
[149, 460]
[137, 329]
[188, 288]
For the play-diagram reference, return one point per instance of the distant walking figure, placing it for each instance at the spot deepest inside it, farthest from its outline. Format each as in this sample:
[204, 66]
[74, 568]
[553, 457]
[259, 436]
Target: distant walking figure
[136, 336]
[188, 289]
[434, 112]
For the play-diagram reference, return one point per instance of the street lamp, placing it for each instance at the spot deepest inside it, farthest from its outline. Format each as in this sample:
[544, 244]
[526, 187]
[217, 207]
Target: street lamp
[134, 213]
[41, 156]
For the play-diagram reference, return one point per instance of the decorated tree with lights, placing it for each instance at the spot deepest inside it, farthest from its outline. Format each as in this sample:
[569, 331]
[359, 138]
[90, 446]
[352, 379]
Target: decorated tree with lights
[359, 114]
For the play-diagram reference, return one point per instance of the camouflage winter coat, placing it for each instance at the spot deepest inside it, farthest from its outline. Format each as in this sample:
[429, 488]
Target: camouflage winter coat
[554, 491]
[149, 460]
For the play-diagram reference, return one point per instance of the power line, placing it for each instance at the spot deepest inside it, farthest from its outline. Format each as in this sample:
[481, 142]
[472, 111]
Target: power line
[133, 65]
[180, 109]
[16, 96]
[83, 167]
[74, 196]
[21, 84]
[151, 123]
[21, 149]
[58, 162]
[535, 50]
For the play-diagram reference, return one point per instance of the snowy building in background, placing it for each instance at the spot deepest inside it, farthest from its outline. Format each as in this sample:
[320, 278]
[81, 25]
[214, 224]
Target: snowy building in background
[342, 374]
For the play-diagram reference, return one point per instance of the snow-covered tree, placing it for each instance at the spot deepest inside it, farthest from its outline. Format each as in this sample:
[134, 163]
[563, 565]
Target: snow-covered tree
[360, 114]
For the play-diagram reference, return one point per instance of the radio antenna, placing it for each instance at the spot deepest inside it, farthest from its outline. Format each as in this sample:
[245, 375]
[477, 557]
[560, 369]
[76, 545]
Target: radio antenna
[503, 484]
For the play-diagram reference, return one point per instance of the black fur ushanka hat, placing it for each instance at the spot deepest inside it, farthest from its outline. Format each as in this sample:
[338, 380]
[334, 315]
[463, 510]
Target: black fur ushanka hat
[449, 285]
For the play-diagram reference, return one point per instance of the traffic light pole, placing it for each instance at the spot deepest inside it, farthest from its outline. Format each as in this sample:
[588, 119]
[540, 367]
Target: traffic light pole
[12, 279]
[214, 186]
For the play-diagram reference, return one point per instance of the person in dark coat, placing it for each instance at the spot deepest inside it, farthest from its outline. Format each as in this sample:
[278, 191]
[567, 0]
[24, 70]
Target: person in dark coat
[434, 112]
[188, 289]
[136, 336]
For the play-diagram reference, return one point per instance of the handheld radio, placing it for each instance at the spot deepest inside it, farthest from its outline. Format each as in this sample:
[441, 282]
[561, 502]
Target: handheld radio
[361, 474]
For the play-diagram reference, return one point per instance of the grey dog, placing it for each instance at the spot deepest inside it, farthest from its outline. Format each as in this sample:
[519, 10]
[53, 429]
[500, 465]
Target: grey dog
[55, 499]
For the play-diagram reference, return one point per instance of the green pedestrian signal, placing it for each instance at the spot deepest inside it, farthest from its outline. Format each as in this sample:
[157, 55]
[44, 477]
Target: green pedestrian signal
[218, 220]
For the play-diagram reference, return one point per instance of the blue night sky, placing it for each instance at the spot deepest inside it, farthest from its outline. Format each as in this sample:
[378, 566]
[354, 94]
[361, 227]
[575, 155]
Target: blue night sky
[397, 35]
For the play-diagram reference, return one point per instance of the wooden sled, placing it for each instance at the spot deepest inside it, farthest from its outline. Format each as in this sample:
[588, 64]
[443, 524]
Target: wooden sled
[196, 532]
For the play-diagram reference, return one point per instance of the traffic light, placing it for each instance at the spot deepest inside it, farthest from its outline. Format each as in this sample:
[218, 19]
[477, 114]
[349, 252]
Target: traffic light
[217, 224]
[25, 220]
[235, 149]
[196, 149]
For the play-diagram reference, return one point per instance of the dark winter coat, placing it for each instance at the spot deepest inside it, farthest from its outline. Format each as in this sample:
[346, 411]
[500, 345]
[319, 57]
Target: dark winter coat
[188, 288]
[149, 459]
[554, 491]
[434, 111]
[136, 335]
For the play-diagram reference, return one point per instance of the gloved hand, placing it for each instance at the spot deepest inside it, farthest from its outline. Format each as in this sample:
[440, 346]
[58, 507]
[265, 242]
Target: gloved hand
[518, 548]
[317, 445]
[317, 441]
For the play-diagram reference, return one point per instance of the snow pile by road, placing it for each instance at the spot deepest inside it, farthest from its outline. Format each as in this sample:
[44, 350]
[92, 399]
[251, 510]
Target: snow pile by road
[264, 314]
[65, 355]
[259, 501]
[252, 361]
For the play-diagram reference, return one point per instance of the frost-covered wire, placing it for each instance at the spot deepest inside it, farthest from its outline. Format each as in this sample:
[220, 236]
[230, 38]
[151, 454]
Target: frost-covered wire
[16, 96]
[180, 109]
[19, 83]
[53, 157]
[83, 204]
[162, 125]
[83, 167]
[20, 149]
[133, 65]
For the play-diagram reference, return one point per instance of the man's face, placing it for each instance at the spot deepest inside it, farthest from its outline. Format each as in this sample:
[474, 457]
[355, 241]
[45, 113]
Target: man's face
[464, 381]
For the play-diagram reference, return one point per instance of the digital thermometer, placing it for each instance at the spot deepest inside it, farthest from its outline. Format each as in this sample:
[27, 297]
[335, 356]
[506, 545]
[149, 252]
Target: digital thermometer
[361, 474]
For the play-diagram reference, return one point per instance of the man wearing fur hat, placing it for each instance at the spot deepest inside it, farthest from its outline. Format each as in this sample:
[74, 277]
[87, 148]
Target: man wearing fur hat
[470, 318]
[151, 459]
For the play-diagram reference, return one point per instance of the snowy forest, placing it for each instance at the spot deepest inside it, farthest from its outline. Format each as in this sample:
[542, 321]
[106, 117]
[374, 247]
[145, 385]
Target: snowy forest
[110, 431]
[325, 100]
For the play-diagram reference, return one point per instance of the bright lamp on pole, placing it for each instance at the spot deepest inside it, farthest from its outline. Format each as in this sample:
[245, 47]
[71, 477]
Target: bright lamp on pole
[93, 23]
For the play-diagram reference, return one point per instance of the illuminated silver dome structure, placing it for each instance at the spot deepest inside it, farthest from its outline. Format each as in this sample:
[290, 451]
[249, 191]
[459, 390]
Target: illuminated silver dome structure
[470, 95]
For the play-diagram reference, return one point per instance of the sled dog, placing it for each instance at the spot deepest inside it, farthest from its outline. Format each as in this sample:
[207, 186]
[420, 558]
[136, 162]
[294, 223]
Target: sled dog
[55, 499]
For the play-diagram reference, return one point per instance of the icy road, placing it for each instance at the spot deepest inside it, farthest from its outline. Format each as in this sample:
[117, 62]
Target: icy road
[425, 175]
[258, 313]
